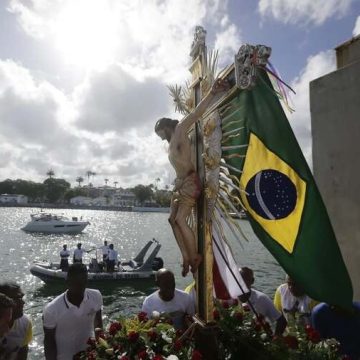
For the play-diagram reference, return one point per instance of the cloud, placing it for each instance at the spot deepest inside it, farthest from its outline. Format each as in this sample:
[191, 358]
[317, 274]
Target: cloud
[104, 120]
[114, 101]
[228, 42]
[356, 30]
[303, 12]
[316, 66]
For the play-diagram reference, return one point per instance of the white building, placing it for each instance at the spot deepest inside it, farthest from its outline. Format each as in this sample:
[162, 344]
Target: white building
[123, 198]
[13, 199]
[99, 201]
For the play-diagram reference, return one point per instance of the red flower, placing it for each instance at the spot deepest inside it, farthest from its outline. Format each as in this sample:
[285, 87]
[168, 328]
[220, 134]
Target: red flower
[225, 304]
[152, 335]
[142, 316]
[91, 341]
[239, 316]
[99, 334]
[142, 354]
[312, 334]
[216, 315]
[314, 337]
[196, 355]
[257, 326]
[178, 345]
[124, 357]
[91, 356]
[291, 341]
[158, 357]
[114, 328]
[133, 336]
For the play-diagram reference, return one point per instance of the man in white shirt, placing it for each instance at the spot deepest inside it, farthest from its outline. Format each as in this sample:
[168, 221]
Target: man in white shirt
[71, 318]
[105, 251]
[15, 344]
[78, 253]
[261, 302]
[291, 300]
[112, 258]
[64, 258]
[168, 300]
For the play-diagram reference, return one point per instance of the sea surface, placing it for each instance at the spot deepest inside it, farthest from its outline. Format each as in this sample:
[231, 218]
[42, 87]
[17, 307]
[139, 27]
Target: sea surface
[128, 232]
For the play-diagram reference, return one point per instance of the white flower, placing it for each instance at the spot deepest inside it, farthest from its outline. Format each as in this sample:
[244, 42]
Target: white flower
[155, 315]
[172, 357]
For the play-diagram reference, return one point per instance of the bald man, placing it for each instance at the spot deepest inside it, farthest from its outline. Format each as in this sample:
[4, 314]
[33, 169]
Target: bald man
[261, 302]
[168, 300]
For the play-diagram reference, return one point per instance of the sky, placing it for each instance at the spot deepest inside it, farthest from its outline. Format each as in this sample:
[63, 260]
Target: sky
[82, 82]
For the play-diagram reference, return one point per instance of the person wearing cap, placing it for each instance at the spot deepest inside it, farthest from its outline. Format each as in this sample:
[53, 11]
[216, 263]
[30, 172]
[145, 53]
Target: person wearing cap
[78, 254]
[187, 183]
[64, 258]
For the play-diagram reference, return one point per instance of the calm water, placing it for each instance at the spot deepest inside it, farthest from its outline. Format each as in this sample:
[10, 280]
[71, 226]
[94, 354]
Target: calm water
[129, 232]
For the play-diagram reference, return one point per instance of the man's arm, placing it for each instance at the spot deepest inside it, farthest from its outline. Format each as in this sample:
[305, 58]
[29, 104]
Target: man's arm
[98, 323]
[50, 344]
[281, 324]
[219, 87]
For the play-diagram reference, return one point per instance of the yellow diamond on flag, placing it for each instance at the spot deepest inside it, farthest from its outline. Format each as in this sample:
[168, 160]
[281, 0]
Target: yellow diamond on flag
[275, 193]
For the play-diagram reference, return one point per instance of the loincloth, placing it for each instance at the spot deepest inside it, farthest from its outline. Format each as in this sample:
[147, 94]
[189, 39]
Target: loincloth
[187, 190]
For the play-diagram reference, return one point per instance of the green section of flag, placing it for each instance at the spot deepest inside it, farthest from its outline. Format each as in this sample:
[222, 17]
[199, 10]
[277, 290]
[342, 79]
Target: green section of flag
[314, 259]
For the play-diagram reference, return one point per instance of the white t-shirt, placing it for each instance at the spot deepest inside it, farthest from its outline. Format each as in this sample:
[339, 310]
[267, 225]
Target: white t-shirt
[64, 254]
[112, 255]
[180, 305]
[78, 253]
[74, 325]
[263, 305]
[104, 249]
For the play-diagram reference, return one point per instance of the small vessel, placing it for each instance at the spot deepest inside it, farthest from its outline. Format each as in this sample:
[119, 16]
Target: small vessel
[54, 224]
[134, 269]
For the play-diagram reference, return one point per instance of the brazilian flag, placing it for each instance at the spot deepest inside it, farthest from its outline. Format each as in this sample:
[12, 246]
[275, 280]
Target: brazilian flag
[286, 210]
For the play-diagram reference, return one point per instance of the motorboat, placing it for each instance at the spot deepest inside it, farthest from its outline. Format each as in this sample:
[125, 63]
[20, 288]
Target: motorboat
[51, 223]
[137, 268]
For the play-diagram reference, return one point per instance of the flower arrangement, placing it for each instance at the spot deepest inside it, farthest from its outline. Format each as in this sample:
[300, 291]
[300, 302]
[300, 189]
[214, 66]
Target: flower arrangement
[140, 338]
[240, 335]
[243, 336]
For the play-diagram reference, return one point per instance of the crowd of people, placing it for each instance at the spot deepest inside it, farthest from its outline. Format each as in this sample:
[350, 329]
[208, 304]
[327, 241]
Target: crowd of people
[72, 317]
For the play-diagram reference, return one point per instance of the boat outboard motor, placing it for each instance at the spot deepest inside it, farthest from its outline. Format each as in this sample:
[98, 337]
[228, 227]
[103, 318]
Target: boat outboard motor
[157, 264]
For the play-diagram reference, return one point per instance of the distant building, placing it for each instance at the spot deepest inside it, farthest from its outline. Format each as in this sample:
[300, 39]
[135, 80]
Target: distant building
[13, 199]
[123, 198]
[335, 121]
[100, 201]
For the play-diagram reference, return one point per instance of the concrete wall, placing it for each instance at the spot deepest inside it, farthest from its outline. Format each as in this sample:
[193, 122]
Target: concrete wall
[348, 52]
[335, 117]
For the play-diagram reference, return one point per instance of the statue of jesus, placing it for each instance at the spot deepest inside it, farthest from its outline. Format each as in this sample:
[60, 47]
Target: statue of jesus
[187, 183]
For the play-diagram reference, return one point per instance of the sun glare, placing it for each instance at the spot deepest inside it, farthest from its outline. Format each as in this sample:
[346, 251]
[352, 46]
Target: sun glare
[85, 32]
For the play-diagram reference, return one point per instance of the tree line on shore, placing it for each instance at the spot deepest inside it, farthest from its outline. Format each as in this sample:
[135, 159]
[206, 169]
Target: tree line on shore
[59, 191]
